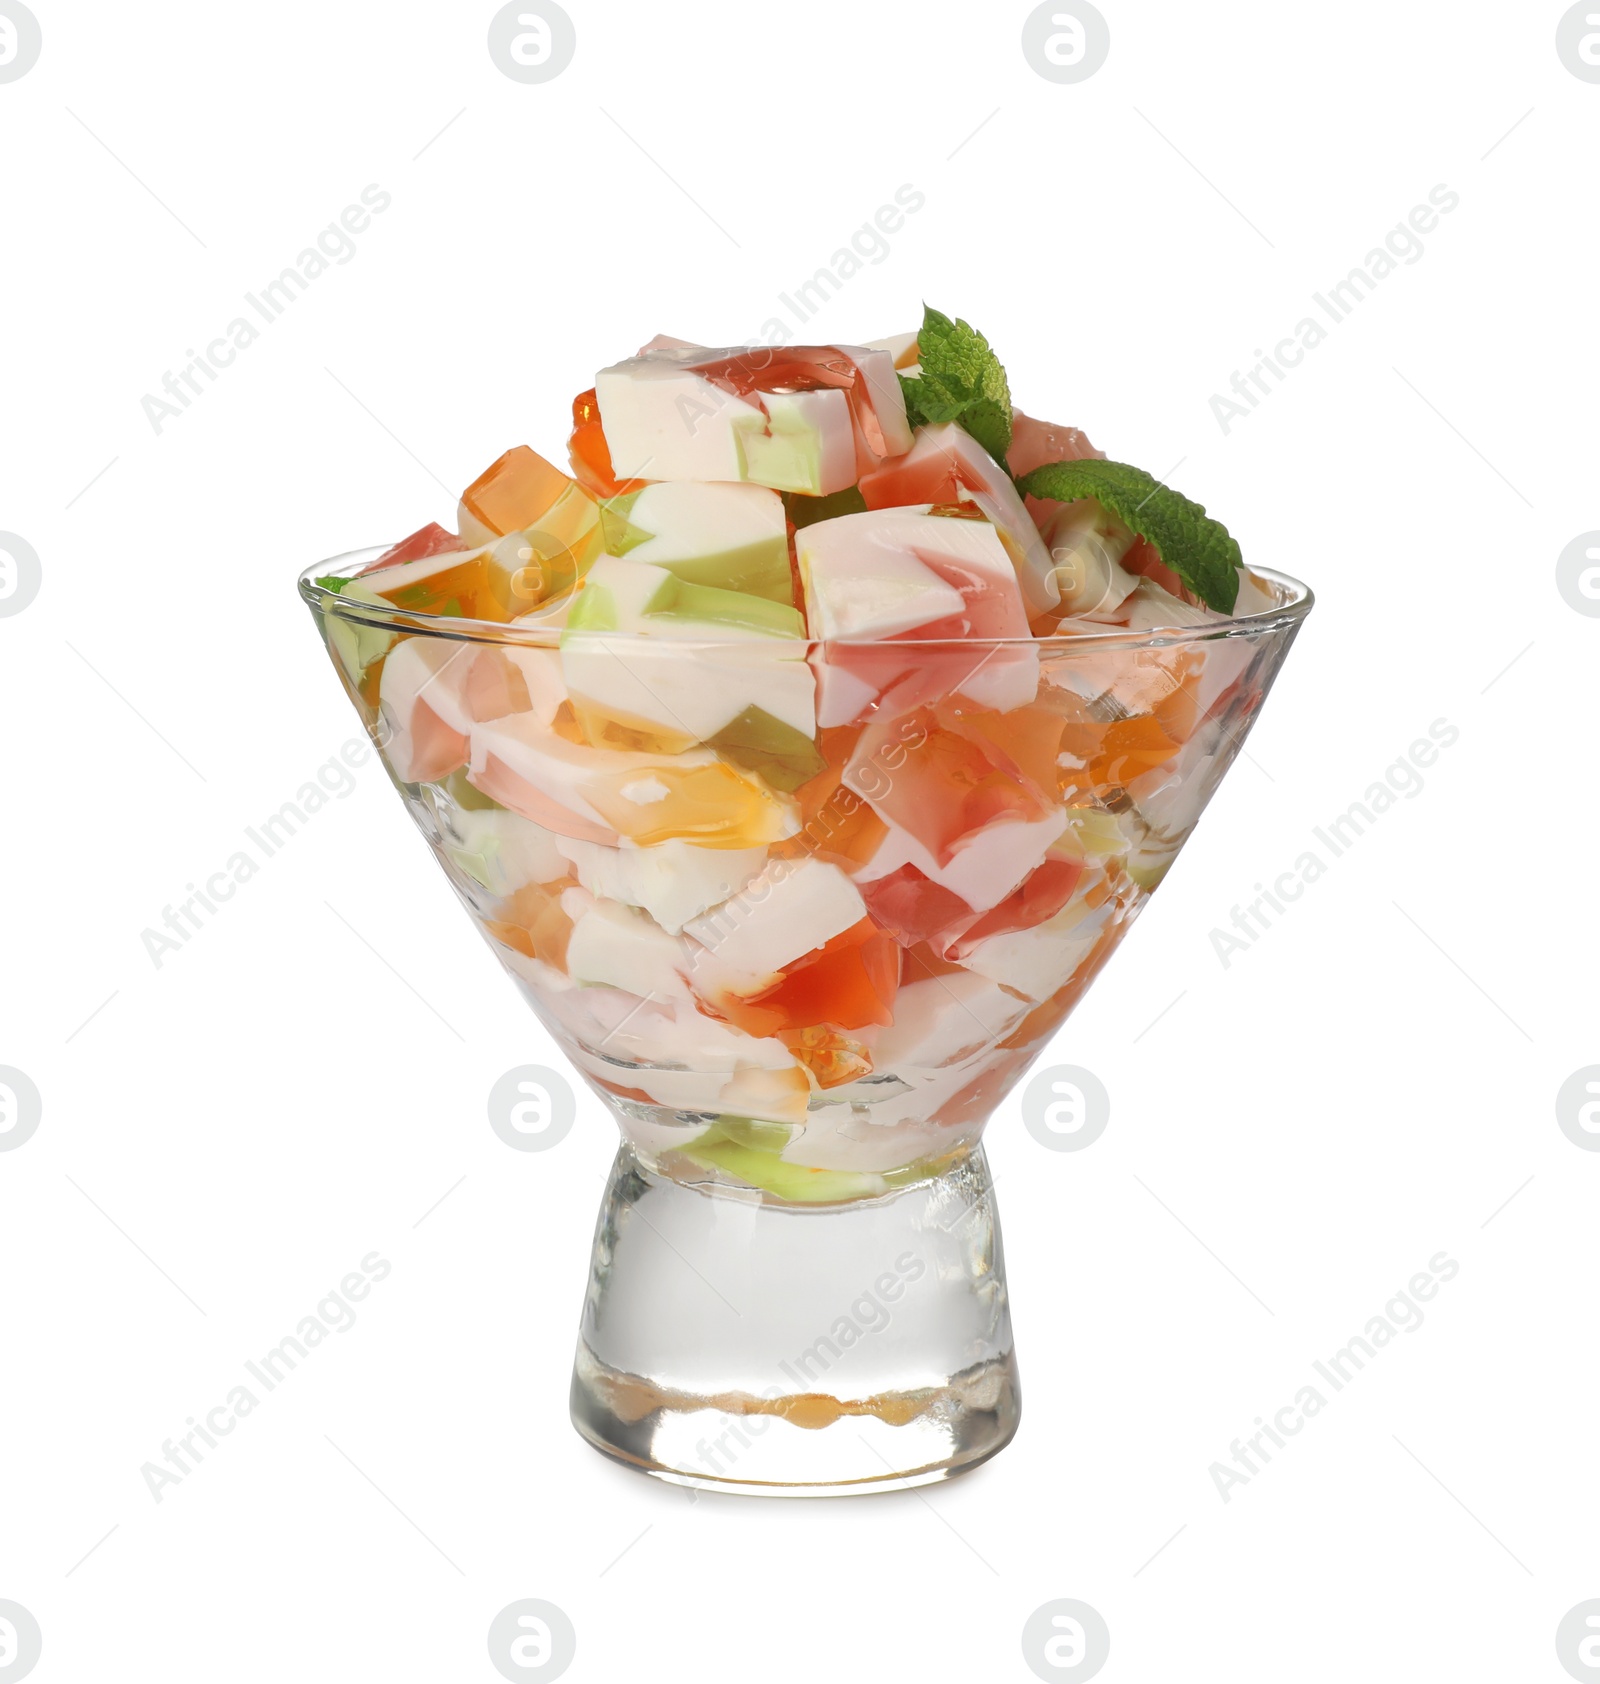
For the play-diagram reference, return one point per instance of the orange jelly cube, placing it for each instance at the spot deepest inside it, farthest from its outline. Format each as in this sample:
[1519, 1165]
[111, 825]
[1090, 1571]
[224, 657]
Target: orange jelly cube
[589, 453]
[514, 492]
[940, 785]
[494, 687]
[1025, 741]
[1178, 709]
[1114, 754]
[848, 982]
[534, 923]
[708, 804]
[463, 589]
[832, 1058]
[836, 824]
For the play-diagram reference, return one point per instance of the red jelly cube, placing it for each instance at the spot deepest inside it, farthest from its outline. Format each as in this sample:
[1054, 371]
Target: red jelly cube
[429, 540]
[914, 909]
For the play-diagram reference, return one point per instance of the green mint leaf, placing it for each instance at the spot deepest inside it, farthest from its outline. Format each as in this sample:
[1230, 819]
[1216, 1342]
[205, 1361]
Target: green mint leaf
[960, 379]
[954, 353]
[331, 582]
[925, 408]
[913, 392]
[930, 405]
[990, 425]
[1197, 548]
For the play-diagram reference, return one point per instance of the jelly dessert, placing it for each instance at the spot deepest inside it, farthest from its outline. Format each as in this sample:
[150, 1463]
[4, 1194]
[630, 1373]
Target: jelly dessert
[805, 743]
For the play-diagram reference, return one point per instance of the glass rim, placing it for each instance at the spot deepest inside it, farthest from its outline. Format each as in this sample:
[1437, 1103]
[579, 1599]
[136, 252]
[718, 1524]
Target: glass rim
[1297, 602]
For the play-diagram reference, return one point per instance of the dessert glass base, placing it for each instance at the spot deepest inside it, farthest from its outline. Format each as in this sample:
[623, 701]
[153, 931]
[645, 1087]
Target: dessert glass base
[780, 1350]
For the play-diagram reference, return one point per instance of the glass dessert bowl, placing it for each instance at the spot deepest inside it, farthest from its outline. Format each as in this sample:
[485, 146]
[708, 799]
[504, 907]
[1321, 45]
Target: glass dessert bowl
[802, 813]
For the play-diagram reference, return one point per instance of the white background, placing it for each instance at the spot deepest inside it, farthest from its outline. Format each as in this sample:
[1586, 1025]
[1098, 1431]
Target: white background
[1364, 1087]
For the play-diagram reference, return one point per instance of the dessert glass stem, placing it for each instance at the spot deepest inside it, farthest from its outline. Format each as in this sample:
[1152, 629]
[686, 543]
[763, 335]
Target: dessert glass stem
[796, 1350]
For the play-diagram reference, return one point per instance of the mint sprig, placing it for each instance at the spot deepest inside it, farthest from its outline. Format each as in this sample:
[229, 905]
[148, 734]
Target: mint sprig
[960, 380]
[1197, 548]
